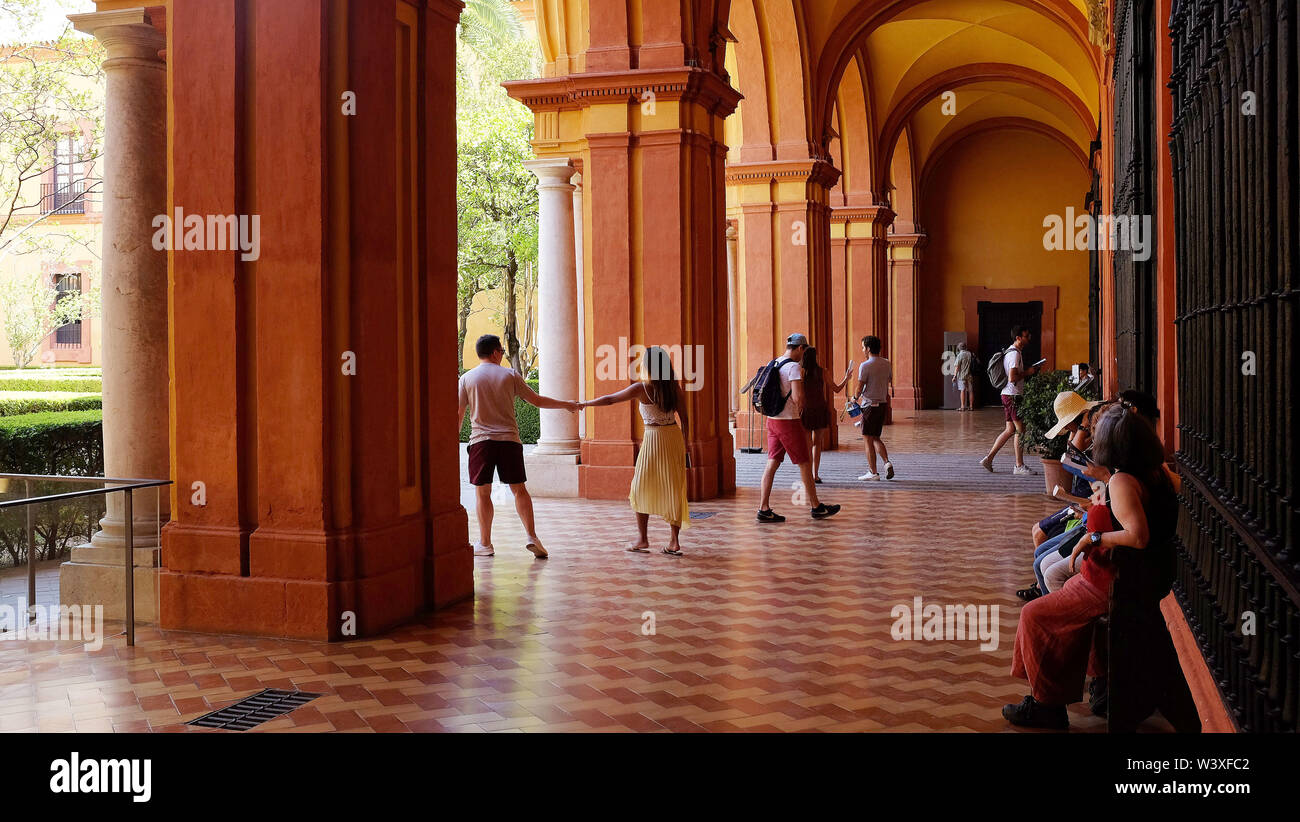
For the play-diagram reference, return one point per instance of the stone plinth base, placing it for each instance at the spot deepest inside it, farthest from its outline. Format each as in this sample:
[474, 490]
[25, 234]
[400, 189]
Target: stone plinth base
[94, 576]
[552, 475]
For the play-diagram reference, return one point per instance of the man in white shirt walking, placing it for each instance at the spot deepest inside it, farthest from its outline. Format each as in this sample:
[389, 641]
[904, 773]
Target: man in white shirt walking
[488, 391]
[1013, 362]
[874, 377]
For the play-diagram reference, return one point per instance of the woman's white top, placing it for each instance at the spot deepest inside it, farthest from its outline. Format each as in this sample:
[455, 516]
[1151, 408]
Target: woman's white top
[651, 414]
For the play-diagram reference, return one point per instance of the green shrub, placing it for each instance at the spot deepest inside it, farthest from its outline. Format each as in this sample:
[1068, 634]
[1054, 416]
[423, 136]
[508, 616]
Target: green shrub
[92, 385]
[527, 417]
[1037, 410]
[31, 402]
[64, 443]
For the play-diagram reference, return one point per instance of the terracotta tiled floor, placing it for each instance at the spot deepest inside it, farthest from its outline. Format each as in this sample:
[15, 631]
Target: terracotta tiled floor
[781, 627]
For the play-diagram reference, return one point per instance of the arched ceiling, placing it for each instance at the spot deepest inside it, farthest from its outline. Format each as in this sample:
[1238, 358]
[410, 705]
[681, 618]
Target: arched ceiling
[1010, 63]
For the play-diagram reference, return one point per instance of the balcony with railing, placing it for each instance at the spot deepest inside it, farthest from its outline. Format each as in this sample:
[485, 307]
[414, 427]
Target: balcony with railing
[67, 198]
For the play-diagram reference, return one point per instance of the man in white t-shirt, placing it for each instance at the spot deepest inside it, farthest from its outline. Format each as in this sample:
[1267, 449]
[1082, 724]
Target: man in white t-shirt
[786, 435]
[874, 377]
[1013, 362]
[488, 391]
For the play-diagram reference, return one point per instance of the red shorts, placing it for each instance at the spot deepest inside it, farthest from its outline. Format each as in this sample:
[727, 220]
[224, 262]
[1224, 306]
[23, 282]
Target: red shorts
[787, 437]
[1011, 407]
[506, 458]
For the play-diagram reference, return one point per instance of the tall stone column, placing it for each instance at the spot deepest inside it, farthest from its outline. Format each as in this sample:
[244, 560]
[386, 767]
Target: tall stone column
[579, 296]
[553, 463]
[733, 366]
[134, 310]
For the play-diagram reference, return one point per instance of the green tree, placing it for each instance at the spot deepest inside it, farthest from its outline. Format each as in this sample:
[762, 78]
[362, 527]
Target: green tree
[51, 128]
[496, 195]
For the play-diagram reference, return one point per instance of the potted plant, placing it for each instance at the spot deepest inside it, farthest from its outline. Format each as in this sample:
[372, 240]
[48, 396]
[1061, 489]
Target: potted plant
[1037, 410]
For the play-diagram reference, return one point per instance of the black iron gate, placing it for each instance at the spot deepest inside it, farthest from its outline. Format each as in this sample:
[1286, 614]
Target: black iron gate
[1234, 144]
[1134, 193]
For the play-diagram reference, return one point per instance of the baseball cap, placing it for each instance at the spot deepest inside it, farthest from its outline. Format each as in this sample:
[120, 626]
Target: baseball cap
[796, 339]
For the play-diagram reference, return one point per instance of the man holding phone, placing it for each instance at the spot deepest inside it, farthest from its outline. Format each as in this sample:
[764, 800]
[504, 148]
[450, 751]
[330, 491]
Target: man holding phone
[1013, 362]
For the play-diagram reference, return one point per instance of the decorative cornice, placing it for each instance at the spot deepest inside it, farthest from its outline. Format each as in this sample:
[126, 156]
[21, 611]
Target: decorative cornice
[819, 172]
[576, 91]
[875, 214]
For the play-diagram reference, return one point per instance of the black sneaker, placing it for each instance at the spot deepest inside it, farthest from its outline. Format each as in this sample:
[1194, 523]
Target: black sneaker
[768, 515]
[1031, 713]
[823, 511]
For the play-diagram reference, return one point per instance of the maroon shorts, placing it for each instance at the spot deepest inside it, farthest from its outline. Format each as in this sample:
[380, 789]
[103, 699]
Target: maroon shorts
[873, 420]
[506, 458]
[1011, 407]
[787, 437]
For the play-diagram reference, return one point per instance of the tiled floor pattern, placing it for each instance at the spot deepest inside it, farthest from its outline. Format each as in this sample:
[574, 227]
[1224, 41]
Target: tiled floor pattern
[757, 628]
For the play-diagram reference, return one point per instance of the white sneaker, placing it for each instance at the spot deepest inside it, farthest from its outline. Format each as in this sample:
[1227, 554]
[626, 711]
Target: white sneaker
[1024, 471]
[987, 462]
[481, 550]
[889, 470]
[535, 545]
[867, 477]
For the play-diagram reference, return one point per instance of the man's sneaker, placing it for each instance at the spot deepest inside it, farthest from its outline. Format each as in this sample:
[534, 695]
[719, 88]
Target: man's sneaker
[481, 550]
[1031, 713]
[1024, 471]
[768, 515]
[987, 462]
[823, 511]
[889, 470]
[535, 546]
[867, 477]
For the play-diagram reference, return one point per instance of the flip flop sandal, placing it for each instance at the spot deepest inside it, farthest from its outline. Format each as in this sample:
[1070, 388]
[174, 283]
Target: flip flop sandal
[672, 553]
[635, 550]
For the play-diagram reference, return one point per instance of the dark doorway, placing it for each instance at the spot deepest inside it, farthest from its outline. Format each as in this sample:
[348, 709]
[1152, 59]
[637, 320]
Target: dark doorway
[996, 322]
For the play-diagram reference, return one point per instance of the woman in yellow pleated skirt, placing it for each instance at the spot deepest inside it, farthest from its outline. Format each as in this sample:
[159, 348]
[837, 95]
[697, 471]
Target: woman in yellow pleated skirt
[659, 483]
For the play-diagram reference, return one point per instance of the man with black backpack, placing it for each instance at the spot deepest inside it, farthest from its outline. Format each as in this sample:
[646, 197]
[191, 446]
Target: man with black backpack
[778, 394]
[1007, 371]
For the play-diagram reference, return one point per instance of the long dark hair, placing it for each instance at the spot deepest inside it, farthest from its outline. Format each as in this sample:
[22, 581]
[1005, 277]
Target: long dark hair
[812, 371]
[1124, 440]
[659, 379]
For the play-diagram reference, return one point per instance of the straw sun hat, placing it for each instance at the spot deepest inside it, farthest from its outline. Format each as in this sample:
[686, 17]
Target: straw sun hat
[1068, 405]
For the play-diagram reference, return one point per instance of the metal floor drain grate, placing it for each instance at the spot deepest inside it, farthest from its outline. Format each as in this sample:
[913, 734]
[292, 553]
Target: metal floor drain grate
[702, 514]
[252, 711]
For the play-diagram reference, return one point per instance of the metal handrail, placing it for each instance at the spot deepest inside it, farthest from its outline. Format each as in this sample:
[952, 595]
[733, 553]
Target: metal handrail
[128, 486]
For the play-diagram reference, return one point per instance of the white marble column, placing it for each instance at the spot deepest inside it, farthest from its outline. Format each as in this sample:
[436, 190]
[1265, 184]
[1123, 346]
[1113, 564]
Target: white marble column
[557, 304]
[733, 369]
[134, 311]
[579, 295]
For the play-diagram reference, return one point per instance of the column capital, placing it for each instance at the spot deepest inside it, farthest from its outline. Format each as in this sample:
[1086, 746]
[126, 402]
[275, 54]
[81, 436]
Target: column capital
[552, 172]
[125, 33]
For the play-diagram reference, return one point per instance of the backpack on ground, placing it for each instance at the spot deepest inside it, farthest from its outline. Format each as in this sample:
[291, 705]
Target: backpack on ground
[997, 371]
[766, 396]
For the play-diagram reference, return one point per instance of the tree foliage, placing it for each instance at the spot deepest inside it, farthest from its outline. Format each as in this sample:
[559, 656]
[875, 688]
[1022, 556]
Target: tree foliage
[50, 95]
[496, 196]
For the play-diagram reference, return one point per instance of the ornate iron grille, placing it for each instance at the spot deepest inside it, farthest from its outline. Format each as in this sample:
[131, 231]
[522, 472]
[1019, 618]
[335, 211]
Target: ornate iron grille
[1135, 144]
[1234, 143]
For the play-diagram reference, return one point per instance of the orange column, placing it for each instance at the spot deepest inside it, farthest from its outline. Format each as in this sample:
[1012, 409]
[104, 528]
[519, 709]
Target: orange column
[313, 401]
[905, 285]
[785, 239]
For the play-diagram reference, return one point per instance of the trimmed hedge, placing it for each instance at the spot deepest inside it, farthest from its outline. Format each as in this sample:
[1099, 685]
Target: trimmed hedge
[527, 416]
[91, 385]
[39, 403]
[67, 443]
